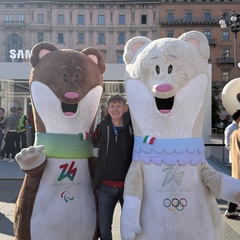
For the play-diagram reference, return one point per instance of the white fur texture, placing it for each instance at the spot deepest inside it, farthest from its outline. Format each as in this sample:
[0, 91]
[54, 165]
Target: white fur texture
[177, 201]
[49, 109]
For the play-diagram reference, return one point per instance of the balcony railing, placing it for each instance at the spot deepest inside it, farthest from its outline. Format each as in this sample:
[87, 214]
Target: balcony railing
[225, 60]
[192, 21]
[13, 24]
[212, 41]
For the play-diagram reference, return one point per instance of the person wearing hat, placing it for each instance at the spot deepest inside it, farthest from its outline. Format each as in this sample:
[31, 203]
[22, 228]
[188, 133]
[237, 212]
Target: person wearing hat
[10, 135]
[21, 130]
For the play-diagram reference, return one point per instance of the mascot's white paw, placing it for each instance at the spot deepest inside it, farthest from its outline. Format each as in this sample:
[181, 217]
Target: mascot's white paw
[30, 158]
[230, 190]
[130, 218]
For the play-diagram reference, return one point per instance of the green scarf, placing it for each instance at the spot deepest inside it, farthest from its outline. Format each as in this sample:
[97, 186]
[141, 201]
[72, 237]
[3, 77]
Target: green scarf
[71, 146]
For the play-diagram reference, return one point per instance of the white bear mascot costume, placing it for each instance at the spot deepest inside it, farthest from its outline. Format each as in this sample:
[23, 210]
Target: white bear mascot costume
[170, 189]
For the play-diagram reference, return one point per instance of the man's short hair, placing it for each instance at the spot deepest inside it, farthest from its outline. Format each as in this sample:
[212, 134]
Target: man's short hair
[2, 109]
[13, 109]
[236, 115]
[117, 98]
[19, 108]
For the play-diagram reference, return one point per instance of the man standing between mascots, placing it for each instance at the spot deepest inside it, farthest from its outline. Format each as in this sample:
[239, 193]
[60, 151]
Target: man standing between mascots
[21, 130]
[232, 143]
[114, 137]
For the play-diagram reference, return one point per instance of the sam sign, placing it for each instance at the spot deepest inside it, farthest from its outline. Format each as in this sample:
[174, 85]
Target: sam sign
[23, 54]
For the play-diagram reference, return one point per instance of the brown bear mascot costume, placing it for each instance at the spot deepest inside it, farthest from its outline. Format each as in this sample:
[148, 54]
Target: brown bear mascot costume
[56, 201]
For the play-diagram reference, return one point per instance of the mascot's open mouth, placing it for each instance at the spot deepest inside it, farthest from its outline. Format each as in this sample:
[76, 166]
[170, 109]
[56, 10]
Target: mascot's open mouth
[69, 109]
[164, 105]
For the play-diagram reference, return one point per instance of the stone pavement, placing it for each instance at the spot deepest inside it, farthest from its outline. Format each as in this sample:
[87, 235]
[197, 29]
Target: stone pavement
[11, 180]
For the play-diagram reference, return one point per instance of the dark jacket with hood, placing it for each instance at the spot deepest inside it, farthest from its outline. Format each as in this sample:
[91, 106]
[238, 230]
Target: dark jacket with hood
[101, 140]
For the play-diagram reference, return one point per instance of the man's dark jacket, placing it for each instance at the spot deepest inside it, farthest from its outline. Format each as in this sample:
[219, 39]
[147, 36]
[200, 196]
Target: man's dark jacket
[101, 140]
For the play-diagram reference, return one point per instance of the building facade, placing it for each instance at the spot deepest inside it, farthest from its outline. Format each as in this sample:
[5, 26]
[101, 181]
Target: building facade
[108, 25]
[105, 25]
[177, 17]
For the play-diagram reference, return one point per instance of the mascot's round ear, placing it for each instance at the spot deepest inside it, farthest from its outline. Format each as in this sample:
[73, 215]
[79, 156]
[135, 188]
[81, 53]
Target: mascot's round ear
[197, 40]
[132, 46]
[96, 56]
[40, 50]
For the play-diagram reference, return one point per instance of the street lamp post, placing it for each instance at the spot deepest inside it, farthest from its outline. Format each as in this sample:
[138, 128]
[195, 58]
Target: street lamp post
[232, 20]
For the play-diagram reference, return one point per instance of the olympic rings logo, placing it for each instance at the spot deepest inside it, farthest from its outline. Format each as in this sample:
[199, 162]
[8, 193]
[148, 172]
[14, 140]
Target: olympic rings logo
[175, 204]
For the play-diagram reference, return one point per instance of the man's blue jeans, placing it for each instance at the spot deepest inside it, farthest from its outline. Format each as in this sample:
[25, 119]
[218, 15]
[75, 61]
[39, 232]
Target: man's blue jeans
[107, 200]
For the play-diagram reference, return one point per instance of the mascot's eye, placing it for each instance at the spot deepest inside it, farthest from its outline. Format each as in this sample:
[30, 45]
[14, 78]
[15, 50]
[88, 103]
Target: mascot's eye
[170, 69]
[76, 78]
[65, 77]
[157, 69]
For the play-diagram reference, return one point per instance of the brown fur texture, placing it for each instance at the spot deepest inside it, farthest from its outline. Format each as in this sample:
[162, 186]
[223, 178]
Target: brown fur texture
[25, 202]
[57, 80]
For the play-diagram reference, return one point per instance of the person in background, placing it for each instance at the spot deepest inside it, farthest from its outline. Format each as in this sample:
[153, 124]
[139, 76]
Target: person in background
[10, 135]
[2, 131]
[114, 136]
[230, 129]
[21, 130]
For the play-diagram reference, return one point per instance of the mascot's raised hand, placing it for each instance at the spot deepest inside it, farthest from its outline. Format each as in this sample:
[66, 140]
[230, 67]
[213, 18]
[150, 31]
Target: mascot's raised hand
[30, 158]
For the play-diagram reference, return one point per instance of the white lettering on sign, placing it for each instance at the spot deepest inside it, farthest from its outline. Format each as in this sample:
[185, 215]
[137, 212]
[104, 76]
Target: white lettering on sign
[19, 54]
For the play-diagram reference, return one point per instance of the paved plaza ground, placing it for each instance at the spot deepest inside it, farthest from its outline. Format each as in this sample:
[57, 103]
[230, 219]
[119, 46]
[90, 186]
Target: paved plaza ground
[11, 179]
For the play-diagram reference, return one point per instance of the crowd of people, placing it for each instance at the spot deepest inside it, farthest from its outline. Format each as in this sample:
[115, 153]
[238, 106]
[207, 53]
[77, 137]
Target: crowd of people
[13, 133]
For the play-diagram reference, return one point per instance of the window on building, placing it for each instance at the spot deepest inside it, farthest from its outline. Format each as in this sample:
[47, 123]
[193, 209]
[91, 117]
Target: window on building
[120, 58]
[121, 38]
[207, 17]
[14, 41]
[40, 37]
[111, 17]
[225, 76]
[170, 34]
[20, 5]
[60, 19]
[225, 52]
[101, 38]
[121, 6]
[101, 19]
[60, 38]
[81, 20]
[121, 19]
[80, 37]
[40, 18]
[21, 17]
[133, 17]
[9, 17]
[60, 5]
[143, 19]
[9, 5]
[81, 6]
[225, 35]
[170, 17]
[207, 34]
[188, 17]
[101, 6]
[40, 5]
[143, 34]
